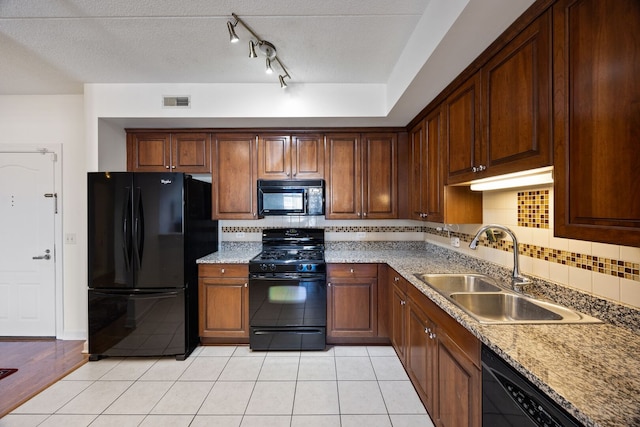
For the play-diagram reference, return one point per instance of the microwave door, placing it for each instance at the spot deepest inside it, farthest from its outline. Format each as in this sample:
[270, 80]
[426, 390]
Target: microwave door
[282, 201]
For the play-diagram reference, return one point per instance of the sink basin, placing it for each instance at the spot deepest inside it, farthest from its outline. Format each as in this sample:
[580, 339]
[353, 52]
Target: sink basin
[508, 307]
[486, 301]
[449, 283]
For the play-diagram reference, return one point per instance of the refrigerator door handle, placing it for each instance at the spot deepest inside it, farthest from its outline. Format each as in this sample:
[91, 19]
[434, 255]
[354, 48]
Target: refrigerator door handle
[139, 228]
[126, 235]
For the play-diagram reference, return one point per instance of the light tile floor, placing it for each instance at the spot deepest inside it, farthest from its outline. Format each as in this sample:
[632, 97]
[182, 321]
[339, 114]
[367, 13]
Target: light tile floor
[232, 386]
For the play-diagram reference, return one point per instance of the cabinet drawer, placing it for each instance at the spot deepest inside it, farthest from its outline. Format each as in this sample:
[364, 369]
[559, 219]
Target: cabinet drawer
[352, 270]
[223, 270]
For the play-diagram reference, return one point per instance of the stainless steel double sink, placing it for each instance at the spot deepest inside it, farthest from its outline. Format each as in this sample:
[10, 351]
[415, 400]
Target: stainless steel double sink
[486, 301]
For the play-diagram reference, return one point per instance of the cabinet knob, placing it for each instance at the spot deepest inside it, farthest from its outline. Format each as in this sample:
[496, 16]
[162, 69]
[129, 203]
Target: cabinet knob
[329, 284]
[427, 330]
[402, 302]
[222, 271]
[396, 279]
[287, 174]
[364, 214]
[432, 336]
[358, 214]
[166, 167]
[245, 285]
[480, 168]
[173, 167]
[351, 270]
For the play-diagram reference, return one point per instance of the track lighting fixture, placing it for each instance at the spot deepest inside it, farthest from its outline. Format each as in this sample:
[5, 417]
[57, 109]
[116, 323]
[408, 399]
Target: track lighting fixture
[266, 48]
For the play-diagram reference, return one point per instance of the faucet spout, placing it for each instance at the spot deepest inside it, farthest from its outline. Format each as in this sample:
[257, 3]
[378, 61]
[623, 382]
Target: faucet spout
[517, 277]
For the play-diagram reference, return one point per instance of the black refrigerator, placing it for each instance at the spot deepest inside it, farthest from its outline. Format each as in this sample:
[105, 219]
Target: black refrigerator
[146, 231]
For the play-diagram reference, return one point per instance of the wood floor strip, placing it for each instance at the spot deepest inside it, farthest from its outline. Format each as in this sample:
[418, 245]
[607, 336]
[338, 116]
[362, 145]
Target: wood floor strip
[40, 363]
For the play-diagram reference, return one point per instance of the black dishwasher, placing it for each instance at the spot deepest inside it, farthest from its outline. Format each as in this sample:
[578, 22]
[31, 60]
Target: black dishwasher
[509, 399]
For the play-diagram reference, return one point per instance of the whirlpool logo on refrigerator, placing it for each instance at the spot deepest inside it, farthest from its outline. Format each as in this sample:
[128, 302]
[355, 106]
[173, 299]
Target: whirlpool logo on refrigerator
[165, 181]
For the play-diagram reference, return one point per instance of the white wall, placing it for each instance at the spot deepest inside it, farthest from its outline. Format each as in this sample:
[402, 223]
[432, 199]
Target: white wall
[59, 119]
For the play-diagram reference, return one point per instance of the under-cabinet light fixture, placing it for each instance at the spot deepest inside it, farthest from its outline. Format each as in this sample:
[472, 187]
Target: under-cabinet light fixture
[266, 48]
[518, 179]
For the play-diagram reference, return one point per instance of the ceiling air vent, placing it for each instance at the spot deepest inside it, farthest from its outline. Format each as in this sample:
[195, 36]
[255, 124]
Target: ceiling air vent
[176, 101]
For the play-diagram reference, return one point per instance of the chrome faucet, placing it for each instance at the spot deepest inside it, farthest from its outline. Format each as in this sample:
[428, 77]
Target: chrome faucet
[517, 279]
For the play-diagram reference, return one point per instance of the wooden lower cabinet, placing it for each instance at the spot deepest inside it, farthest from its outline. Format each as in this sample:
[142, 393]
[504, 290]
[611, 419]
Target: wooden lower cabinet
[352, 305]
[440, 356]
[224, 303]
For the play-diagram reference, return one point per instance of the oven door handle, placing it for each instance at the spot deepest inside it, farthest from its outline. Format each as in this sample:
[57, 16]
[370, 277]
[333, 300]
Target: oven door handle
[288, 277]
[300, 331]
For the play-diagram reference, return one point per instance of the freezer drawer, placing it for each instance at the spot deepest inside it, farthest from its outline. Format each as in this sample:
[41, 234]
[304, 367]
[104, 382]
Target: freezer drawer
[145, 323]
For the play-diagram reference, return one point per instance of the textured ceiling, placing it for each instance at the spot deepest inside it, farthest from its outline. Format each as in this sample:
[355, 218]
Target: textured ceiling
[54, 46]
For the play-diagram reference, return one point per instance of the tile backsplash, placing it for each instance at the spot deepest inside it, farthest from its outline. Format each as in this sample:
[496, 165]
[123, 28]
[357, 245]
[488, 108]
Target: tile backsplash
[608, 271]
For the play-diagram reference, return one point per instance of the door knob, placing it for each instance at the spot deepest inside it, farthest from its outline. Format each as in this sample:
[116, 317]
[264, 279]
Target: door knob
[45, 256]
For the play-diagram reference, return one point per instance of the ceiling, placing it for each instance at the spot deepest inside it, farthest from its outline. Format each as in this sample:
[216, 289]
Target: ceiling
[56, 46]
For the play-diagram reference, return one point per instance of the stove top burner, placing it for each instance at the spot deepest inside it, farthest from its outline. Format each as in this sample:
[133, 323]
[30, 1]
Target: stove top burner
[291, 255]
[290, 251]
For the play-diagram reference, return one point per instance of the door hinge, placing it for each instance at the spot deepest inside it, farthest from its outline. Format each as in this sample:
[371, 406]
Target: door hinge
[55, 200]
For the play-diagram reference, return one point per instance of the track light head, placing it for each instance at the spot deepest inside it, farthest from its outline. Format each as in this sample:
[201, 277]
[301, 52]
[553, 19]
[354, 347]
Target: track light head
[269, 69]
[283, 84]
[233, 37]
[252, 49]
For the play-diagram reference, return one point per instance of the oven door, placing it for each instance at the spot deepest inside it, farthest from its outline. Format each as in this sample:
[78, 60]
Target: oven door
[287, 313]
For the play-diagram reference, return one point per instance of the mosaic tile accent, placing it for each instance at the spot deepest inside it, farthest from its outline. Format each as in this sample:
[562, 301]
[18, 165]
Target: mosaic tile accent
[533, 209]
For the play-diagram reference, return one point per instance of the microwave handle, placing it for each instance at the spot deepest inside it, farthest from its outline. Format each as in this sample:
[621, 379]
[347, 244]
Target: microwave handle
[306, 202]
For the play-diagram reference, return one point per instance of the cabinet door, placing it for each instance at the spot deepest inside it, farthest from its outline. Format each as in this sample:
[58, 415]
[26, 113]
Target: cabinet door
[462, 131]
[274, 157]
[343, 175]
[516, 96]
[307, 157]
[398, 319]
[148, 152]
[191, 152]
[417, 180]
[433, 196]
[380, 175]
[234, 177]
[459, 386]
[352, 307]
[597, 120]
[421, 354]
[224, 303]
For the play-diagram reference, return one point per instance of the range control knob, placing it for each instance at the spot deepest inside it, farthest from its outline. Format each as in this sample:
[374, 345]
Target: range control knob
[263, 267]
[272, 267]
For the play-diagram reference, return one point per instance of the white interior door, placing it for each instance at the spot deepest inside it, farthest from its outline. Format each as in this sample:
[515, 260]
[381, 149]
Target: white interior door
[27, 269]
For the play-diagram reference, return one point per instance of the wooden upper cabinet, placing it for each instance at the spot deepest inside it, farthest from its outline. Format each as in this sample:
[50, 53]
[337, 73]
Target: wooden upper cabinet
[234, 177]
[427, 169]
[516, 96]
[291, 157]
[499, 120]
[361, 173]
[274, 157]
[462, 131]
[169, 152]
[343, 176]
[307, 156]
[597, 120]
[380, 175]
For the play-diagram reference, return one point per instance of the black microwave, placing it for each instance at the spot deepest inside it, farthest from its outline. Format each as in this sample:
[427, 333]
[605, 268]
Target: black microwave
[282, 197]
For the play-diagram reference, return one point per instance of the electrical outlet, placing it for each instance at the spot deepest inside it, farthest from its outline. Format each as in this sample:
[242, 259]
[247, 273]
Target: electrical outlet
[70, 238]
[240, 235]
[360, 235]
[455, 242]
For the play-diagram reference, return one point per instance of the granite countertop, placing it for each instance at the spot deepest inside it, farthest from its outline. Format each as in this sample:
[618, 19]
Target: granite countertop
[591, 370]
